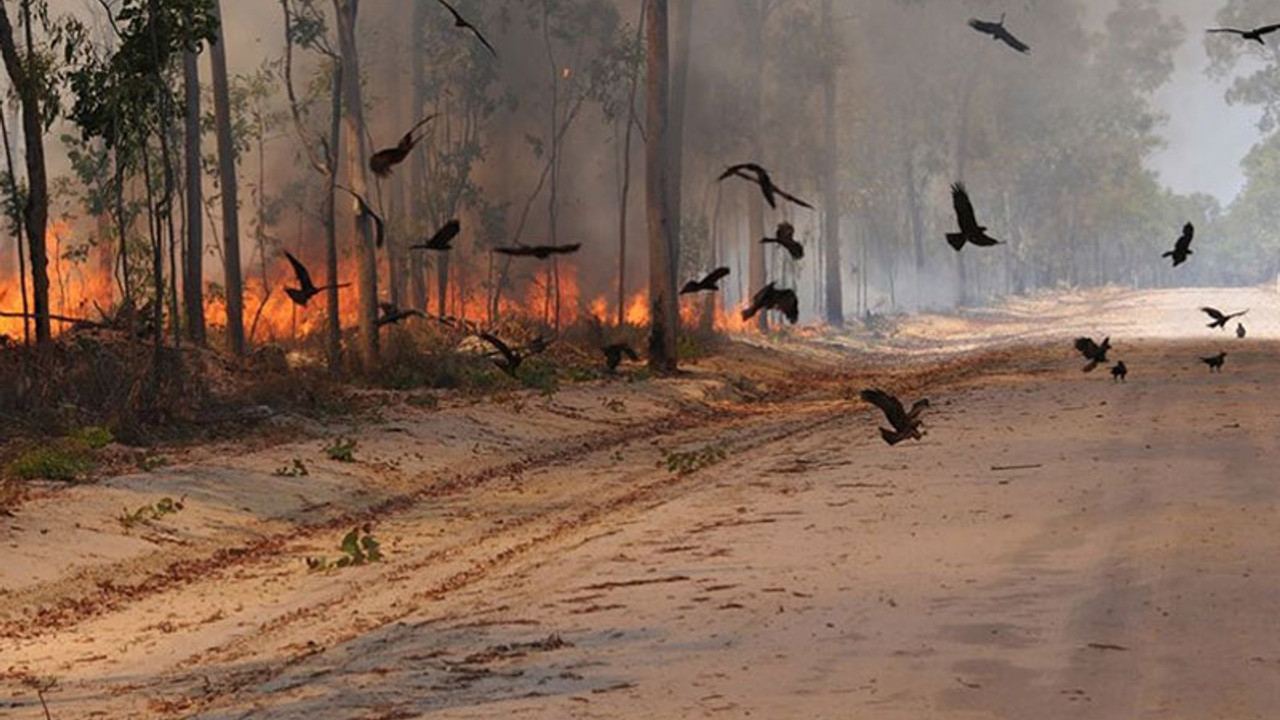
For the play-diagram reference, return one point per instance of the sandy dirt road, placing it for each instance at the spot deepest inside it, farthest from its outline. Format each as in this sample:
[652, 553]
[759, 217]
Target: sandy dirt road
[1058, 546]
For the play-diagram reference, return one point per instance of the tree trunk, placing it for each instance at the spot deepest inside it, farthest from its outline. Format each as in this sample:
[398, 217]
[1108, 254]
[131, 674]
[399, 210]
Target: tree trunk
[624, 193]
[17, 223]
[357, 150]
[230, 198]
[36, 210]
[754, 14]
[830, 191]
[418, 164]
[193, 276]
[675, 135]
[333, 328]
[662, 297]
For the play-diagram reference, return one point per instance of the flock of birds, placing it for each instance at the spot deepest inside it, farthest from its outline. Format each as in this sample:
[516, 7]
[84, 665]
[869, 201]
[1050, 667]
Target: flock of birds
[905, 423]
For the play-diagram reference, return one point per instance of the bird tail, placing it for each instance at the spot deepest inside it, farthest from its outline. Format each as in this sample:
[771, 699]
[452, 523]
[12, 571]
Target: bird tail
[1093, 364]
[1168, 254]
[955, 240]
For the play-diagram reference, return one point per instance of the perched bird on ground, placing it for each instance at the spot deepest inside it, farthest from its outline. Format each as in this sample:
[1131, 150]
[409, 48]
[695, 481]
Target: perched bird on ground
[758, 175]
[1220, 320]
[906, 424]
[367, 214]
[461, 22]
[507, 358]
[1119, 371]
[1254, 34]
[1216, 362]
[970, 231]
[997, 31]
[771, 298]
[1240, 331]
[391, 314]
[710, 283]
[541, 252]
[306, 289]
[1182, 248]
[786, 237]
[440, 241]
[384, 161]
[1096, 354]
[613, 355]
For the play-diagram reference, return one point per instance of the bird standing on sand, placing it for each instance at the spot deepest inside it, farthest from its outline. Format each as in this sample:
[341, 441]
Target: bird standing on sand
[906, 424]
[786, 238]
[1220, 319]
[307, 288]
[1182, 248]
[970, 231]
[1000, 33]
[710, 283]
[1240, 331]
[1216, 362]
[1119, 371]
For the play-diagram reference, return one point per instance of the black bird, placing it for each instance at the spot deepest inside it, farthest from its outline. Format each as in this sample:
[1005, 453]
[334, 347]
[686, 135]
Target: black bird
[461, 22]
[1182, 249]
[613, 355]
[771, 298]
[970, 231]
[542, 252]
[440, 241]
[997, 31]
[710, 283]
[1240, 332]
[391, 314]
[786, 237]
[1220, 320]
[1254, 34]
[1096, 354]
[758, 175]
[367, 214]
[385, 160]
[1216, 362]
[906, 424]
[307, 289]
[1119, 371]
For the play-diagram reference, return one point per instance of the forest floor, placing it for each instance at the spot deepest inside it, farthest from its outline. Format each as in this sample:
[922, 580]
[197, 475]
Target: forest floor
[734, 541]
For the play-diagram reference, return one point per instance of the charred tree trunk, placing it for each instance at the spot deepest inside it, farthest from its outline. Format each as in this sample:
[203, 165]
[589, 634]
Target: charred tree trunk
[675, 135]
[418, 165]
[625, 190]
[230, 197]
[35, 213]
[17, 223]
[357, 150]
[830, 191]
[333, 326]
[662, 296]
[754, 11]
[193, 272]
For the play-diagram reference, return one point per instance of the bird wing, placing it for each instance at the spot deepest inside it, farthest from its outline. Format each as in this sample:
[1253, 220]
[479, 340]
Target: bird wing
[1242, 313]
[715, 276]
[457, 19]
[740, 169]
[1213, 313]
[1087, 347]
[917, 408]
[791, 198]
[1008, 38]
[446, 233]
[565, 249]
[691, 287]
[986, 28]
[964, 208]
[517, 251]
[1267, 29]
[789, 303]
[500, 346]
[304, 277]
[1227, 30]
[890, 406]
[758, 301]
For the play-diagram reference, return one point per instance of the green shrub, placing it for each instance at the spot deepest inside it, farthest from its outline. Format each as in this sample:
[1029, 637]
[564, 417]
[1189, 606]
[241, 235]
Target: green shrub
[342, 450]
[50, 462]
[540, 374]
[93, 437]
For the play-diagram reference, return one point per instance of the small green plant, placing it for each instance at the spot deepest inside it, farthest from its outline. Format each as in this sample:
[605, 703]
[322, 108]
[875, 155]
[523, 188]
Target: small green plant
[296, 469]
[425, 401]
[683, 463]
[153, 462]
[59, 461]
[358, 547]
[93, 437]
[342, 449]
[155, 511]
[540, 374]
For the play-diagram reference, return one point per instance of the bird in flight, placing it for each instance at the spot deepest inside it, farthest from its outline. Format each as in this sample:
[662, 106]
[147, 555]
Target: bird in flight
[390, 314]
[970, 231]
[461, 22]
[306, 288]
[367, 214]
[613, 355]
[1182, 248]
[771, 298]
[440, 241]
[1220, 319]
[1216, 362]
[710, 283]
[906, 424]
[752, 172]
[999, 32]
[385, 160]
[542, 252]
[1254, 34]
[786, 237]
[1240, 331]
[507, 358]
[1093, 352]
[1119, 371]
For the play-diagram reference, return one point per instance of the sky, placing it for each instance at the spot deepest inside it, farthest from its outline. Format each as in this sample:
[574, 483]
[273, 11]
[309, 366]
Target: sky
[1207, 138]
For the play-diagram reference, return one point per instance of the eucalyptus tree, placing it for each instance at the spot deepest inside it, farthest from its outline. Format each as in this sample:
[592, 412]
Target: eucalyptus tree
[663, 317]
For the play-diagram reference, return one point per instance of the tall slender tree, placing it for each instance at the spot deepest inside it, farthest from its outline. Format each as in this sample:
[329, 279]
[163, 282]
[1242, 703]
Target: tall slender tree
[834, 304]
[193, 277]
[662, 292]
[234, 284]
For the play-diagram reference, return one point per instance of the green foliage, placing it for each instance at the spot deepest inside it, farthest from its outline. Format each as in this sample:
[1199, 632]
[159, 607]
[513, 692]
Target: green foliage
[683, 463]
[342, 449]
[155, 511]
[63, 461]
[358, 547]
[93, 437]
[539, 373]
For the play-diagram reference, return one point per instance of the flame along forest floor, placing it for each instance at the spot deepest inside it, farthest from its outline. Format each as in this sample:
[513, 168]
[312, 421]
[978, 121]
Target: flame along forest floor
[1057, 546]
